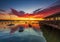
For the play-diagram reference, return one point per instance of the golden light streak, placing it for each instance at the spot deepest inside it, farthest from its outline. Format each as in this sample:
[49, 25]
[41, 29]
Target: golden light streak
[31, 19]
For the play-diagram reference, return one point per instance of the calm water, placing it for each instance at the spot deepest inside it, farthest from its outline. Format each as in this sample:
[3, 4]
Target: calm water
[46, 34]
[29, 35]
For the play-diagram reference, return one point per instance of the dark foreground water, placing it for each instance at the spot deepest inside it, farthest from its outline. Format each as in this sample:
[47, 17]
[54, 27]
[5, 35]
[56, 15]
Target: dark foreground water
[51, 34]
[29, 35]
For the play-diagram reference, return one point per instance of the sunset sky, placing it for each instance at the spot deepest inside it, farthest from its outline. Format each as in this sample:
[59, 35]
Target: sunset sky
[25, 5]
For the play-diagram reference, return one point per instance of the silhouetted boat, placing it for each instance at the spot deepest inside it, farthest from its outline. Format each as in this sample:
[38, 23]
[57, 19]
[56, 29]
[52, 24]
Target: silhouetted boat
[10, 24]
[21, 29]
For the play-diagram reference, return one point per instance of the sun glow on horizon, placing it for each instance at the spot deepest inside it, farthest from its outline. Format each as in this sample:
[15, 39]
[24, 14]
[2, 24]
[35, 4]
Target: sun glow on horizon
[30, 18]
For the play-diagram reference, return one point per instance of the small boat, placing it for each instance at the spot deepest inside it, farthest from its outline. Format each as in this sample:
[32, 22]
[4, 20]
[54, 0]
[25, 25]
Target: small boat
[21, 29]
[10, 24]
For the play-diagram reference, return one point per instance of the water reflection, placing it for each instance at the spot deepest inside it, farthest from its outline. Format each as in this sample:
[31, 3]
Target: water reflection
[30, 34]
